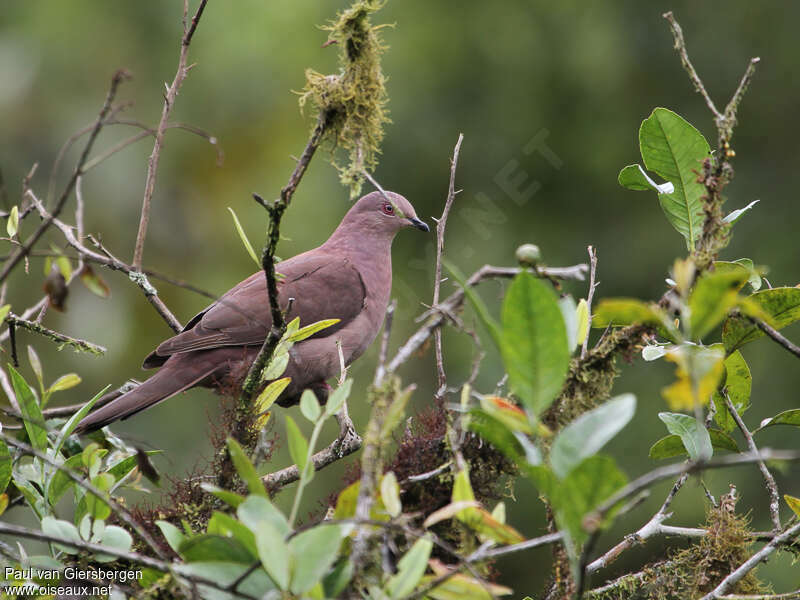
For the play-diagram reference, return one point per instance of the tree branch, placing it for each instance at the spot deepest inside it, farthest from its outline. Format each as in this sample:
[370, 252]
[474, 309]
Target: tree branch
[776, 336]
[152, 162]
[59, 338]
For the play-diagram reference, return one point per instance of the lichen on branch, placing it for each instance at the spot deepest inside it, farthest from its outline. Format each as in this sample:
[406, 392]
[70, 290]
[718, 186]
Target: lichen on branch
[354, 100]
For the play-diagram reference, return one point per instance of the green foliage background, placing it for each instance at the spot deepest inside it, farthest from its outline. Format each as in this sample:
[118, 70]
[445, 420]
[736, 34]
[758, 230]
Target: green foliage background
[501, 73]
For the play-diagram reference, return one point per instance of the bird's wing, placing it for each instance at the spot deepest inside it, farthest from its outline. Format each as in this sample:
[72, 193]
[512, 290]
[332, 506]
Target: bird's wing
[320, 286]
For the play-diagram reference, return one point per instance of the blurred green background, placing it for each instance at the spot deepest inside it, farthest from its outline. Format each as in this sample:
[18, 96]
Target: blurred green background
[579, 77]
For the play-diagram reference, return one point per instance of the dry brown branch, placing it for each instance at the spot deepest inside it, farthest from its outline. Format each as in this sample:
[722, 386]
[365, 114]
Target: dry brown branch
[169, 101]
[776, 336]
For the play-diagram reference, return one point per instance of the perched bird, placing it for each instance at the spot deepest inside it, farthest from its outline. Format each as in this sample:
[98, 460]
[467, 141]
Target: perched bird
[349, 278]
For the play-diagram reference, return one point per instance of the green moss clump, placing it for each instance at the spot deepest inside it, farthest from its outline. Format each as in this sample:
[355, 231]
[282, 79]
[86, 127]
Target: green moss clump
[353, 102]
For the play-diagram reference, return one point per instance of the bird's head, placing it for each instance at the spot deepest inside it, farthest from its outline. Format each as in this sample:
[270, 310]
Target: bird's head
[384, 212]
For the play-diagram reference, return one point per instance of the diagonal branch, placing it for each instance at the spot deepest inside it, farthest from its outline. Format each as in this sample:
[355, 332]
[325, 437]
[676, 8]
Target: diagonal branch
[776, 336]
[169, 101]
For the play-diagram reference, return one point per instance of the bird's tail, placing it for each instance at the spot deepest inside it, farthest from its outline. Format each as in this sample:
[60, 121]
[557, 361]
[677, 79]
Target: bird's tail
[178, 374]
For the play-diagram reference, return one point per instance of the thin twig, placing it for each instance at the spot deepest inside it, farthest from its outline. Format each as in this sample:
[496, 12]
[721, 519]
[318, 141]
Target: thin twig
[441, 225]
[590, 295]
[769, 480]
[734, 577]
[25, 248]
[152, 162]
[436, 316]
[59, 338]
[380, 370]
[776, 336]
[680, 46]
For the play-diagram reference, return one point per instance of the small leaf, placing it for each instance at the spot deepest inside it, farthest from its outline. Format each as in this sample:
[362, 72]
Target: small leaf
[309, 407]
[698, 373]
[448, 511]
[497, 433]
[787, 417]
[410, 569]
[97, 506]
[508, 413]
[65, 382]
[794, 503]
[256, 509]
[569, 312]
[210, 547]
[534, 342]
[12, 224]
[781, 305]
[587, 434]
[31, 411]
[276, 367]
[650, 353]
[5, 466]
[245, 468]
[61, 529]
[243, 236]
[672, 445]
[64, 267]
[271, 393]
[713, 296]
[3, 503]
[338, 397]
[117, 538]
[620, 312]
[60, 482]
[4, 310]
[582, 315]
[36, 364]
[309, 330]
[737, 214]
[314, 552]
[172, 534]
[390, 494]
[694, 435]
[298, 446]
[93, 282]
[227, 526]
[232, 499]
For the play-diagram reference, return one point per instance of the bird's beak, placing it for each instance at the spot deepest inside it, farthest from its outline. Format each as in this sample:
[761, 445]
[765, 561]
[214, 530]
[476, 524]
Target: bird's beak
[419, 224]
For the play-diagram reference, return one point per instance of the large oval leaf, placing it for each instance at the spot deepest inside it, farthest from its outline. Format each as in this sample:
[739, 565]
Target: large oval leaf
[782, 304]
[693, 434]
[534, 342]
[674, 149]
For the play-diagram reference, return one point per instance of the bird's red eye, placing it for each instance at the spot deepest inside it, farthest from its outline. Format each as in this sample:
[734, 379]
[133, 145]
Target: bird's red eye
[387, 208]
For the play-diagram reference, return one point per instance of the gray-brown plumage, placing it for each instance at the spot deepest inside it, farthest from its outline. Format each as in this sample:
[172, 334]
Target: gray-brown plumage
[349, 278]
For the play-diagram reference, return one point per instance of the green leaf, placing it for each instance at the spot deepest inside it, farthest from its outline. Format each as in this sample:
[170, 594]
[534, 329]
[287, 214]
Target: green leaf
[97, 507]
[713, 296]
[73, 421]
[672, 445]
[694, 435]
[309, 407]
[226, 526]
[256, 509]
[32, 496]
[121, 468]
[5, 466]
[60, 482]
[754, 278]
[225, 573]
[313, 552]
[298, 446]
[625, 311]
[737, 384]
[674, 149]
[410, 569]
[390, 494]
[634, 178]
[309, 330]
[31, 411]
[582, 315]
[245, 468]
[61, 529]
[336, 581]
[534, 342]
[496, 433]
[209, 547]
[781, 304]
[93, 282]
[588, 485]
[65, 382]
[587, 434]
[64, 266]
[794, 503]
[117, 538]
[338, 398]
[507, 413]
[477, 304]
[274, 553]
[36, 364]
[172, 534]
[4, 310]
[12, 224]
[787, 417]
[243, 236]
[270, 393]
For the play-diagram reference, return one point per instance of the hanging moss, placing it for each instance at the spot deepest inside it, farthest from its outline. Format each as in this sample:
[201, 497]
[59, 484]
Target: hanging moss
[352, 102]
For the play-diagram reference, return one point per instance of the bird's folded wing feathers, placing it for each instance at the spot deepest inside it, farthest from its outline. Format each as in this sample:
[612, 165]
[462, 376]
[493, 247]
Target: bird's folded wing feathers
[322, 287]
